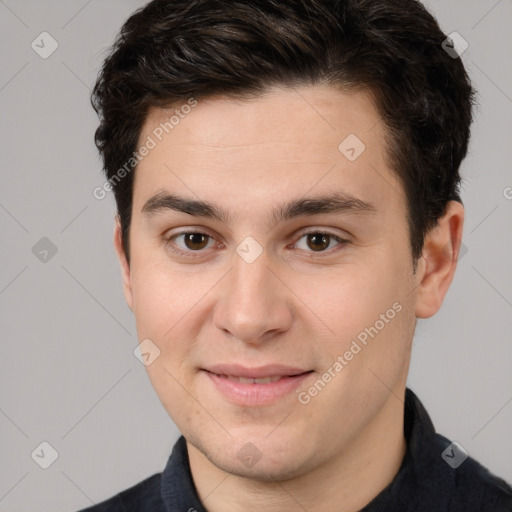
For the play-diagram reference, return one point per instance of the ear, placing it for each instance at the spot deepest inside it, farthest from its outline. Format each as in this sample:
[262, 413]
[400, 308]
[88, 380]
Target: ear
[438, 262]
[125, 267]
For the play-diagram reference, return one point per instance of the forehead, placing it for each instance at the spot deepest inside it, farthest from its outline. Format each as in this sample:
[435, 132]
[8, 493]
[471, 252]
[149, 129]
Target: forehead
[284, 143]
[315, 114]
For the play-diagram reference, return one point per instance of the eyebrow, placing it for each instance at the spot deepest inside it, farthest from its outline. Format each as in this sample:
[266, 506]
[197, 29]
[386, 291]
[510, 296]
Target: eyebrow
[333, 203]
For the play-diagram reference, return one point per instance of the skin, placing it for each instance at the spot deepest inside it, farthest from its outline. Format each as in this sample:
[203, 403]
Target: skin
[295, 304]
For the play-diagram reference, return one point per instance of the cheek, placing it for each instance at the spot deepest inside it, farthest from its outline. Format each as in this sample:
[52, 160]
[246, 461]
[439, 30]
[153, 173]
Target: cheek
[170, 308]
[370, 316]
[162, 308]
[350, 300]
[160, 298]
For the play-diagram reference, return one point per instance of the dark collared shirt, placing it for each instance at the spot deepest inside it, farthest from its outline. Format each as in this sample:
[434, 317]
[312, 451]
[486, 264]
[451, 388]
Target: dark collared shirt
[435, 476]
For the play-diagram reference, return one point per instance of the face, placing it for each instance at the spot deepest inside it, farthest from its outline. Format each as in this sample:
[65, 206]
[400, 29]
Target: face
[261, 248]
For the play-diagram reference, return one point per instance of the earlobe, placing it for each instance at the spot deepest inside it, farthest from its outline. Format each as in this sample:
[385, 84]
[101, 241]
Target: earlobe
[439, 261]
[123, 262]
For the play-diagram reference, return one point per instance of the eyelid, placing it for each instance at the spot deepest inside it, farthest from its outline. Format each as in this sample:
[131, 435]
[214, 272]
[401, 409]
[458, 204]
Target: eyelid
[301, 233]
[320, 230]
[323, 231]
[168, 242]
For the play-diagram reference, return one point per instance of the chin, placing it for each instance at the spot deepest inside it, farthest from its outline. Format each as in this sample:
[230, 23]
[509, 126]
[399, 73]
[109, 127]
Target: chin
[258, 455]
[264, 470]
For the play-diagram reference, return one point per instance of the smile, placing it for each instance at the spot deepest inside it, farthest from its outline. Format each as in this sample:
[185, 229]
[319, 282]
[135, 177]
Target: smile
[248, 387]
[245, 380]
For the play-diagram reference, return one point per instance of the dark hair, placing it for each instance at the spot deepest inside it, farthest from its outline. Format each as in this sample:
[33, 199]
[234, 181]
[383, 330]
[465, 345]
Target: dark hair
[172, 50]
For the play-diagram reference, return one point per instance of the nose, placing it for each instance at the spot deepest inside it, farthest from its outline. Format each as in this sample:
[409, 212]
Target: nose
[254, 305]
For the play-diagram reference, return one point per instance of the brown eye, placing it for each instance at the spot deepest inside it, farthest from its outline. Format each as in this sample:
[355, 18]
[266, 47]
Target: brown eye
[190, 243]
[318, 241]
[195, 241]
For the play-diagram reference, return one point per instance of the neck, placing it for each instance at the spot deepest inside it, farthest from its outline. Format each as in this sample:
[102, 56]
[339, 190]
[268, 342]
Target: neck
[345, 483]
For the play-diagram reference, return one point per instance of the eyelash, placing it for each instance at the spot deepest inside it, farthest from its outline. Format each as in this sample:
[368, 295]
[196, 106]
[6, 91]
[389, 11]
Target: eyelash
[190, 253]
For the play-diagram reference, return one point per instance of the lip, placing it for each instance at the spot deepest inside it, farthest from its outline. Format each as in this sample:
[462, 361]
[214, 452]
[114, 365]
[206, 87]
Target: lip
[260, 372]
[255, 394]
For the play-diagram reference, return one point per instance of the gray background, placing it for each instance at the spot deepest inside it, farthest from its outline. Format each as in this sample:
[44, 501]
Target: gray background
[69, 376]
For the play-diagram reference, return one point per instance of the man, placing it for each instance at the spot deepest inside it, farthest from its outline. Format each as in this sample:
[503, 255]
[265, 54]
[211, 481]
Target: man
[286, 177]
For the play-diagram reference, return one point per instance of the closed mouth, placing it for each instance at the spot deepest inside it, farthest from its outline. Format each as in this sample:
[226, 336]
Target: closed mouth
[261, 380]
